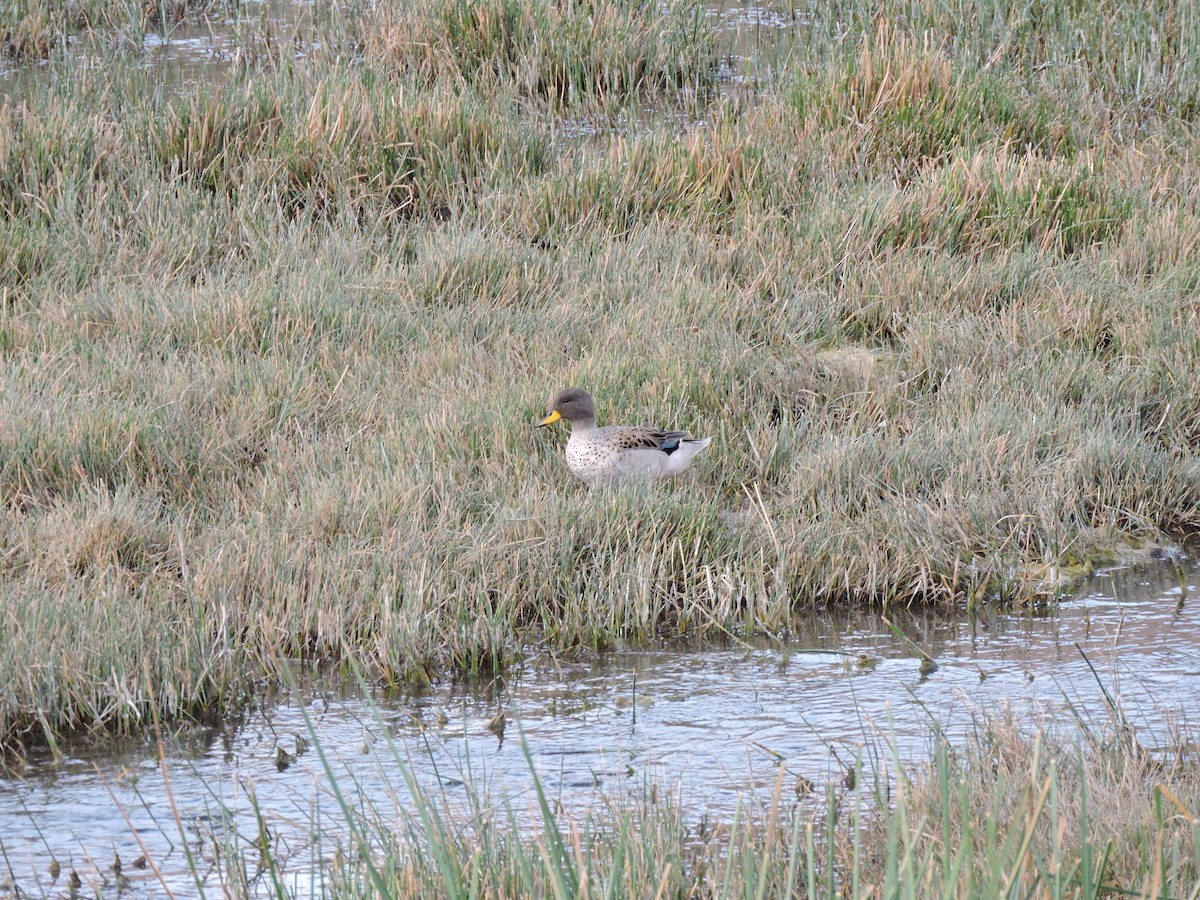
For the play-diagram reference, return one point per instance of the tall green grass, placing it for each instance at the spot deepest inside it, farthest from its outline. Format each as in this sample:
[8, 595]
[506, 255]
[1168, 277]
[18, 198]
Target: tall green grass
[1004, 812]
[272, 348]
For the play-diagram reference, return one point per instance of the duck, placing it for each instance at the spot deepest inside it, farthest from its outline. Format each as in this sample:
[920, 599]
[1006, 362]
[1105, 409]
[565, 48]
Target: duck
[618, 452]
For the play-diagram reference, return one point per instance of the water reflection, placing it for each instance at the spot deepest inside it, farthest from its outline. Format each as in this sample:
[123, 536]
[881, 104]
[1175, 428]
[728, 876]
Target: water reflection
[716, 722]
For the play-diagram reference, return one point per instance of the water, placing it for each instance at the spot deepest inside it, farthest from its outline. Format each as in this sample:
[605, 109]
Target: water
[191, 54]
[716, 724]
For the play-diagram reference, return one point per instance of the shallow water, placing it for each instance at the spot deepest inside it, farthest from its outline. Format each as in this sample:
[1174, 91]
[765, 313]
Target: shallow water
[196, 52]
[716, 724]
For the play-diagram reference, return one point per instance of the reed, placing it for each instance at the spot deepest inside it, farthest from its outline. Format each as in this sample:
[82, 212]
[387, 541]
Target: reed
[1006, 811]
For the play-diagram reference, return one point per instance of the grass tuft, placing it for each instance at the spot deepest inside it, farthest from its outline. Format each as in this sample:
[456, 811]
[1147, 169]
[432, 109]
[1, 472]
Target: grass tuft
[561, 53]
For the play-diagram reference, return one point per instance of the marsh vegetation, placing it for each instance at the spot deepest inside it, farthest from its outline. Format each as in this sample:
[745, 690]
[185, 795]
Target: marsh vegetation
[1007, 815]
[271, 349]
[836, 758]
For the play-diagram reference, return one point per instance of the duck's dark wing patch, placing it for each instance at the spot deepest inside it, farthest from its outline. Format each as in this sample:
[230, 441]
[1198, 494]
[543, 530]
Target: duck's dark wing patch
[651, 439]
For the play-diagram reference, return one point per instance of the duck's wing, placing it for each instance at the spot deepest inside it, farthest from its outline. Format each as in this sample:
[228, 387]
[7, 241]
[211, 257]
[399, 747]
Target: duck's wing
[651, 453]
[641, 437]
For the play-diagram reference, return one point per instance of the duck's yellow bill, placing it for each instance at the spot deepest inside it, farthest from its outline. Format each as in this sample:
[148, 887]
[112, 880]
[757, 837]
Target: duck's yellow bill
[550, 419]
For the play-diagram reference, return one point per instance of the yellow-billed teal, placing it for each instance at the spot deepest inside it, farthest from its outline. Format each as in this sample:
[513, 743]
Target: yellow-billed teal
[617, 452]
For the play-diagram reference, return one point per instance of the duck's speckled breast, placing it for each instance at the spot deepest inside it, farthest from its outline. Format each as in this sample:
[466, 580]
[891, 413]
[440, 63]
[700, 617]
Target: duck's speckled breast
[589, 455]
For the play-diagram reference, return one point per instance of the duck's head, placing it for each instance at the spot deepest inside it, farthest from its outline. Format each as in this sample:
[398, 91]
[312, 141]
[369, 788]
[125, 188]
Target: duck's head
[573, 404]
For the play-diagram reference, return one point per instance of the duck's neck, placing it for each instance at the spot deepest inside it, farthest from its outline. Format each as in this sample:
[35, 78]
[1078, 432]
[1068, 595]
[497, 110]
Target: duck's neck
[583, 426]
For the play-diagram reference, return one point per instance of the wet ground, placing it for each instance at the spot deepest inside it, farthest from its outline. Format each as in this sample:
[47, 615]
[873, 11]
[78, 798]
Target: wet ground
[199, 51]
[715, 725]
[207, 49]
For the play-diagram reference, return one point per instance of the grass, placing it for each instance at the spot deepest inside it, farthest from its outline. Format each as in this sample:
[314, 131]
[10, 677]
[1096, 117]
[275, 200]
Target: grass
[1008, 815]
[1004, 811]
[272, 348]
[568, 53]
[36, 29]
